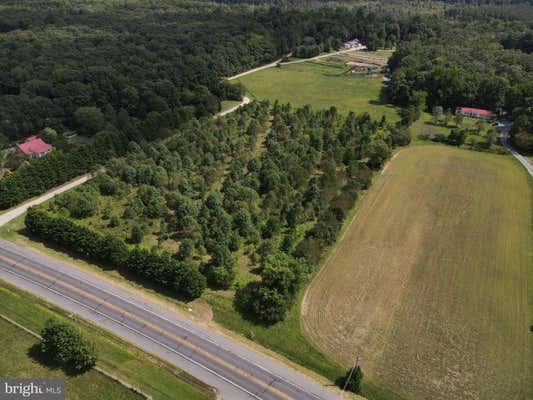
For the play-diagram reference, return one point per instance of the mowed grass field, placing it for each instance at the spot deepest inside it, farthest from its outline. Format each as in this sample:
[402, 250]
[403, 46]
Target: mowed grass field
[159, 380]
[15, 362]
[320, 86]
[432, 284]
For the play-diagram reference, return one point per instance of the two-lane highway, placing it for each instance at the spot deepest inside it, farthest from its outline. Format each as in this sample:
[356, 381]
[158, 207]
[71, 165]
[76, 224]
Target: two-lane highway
[225, 364]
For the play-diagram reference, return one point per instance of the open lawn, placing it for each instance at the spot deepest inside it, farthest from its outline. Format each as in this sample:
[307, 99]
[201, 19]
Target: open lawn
[17, 360]
[432, 283]
[321, 86]
[152, 376]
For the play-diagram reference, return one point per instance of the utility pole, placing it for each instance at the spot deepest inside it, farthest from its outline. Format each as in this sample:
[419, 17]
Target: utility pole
[355, 365]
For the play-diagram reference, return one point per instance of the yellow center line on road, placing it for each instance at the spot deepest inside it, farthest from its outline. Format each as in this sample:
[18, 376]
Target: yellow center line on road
[151, 325]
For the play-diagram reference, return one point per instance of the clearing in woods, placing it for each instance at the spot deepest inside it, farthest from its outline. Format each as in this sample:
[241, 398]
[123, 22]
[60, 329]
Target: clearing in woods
[430, 284]
[321, 86]
[324, 83]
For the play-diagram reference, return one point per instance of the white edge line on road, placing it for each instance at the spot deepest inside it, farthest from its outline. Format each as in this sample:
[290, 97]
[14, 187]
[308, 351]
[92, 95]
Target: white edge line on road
[202, 335]
[130, 328]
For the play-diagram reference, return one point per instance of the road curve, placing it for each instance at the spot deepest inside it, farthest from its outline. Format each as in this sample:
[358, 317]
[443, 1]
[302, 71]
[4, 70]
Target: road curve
[504, 136]
[237, 372]
[245, 100]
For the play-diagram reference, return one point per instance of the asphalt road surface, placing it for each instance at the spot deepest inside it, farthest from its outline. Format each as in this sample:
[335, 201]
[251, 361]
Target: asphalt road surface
[504, 140]
[235, 370]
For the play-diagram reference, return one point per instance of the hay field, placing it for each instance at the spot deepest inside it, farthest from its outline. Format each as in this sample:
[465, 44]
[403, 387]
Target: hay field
[432, 283]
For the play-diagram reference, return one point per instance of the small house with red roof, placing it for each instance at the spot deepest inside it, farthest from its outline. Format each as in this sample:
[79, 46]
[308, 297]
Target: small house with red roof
[34, 147]
[476, 113]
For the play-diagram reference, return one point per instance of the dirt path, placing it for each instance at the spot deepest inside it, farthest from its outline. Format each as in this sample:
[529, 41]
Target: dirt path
[250, 71]
[22, 208]
[273, 64]
[245, 100]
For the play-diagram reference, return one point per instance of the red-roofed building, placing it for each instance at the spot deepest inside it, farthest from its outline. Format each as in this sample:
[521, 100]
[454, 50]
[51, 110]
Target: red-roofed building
[34, 147]
[475, 113]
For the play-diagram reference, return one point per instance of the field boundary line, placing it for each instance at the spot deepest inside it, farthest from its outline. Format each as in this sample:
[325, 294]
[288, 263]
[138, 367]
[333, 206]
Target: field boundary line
[100, 370]
[346, 228]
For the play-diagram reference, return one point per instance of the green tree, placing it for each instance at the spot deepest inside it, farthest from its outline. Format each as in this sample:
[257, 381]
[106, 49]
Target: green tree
[447, 117]
[65, 346]
[113, 221]
[379, 152]
[437, 114]
[186, 249]
[352, 380]
[106, 184]
[489, 138]
[480, 126]
[137, 234]
[459, 119]
[457, 137]
[89, 120]
[220, 271]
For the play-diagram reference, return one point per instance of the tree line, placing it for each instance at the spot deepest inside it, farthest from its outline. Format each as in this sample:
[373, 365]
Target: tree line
[268, 182]
[150, 265]
[36, 177]
[461, 61]
[146, 68]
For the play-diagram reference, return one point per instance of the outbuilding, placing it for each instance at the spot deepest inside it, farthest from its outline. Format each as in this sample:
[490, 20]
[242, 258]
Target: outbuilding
[476, 113]
[34, 147]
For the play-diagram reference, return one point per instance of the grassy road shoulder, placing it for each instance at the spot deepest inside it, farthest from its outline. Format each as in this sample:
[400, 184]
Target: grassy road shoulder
[285, 338]
[152, 376]
[17, 359]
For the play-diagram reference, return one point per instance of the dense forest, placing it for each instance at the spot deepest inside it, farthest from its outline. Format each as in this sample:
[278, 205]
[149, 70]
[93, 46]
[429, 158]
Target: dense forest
[475, 58]
[85, 65]
[141, 70]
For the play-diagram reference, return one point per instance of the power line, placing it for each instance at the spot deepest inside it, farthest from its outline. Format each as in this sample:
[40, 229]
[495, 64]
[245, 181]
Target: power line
[355, 366]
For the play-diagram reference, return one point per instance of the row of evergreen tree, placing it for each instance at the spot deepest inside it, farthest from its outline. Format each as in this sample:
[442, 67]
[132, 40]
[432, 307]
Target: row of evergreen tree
[152, 266]
[36, 177]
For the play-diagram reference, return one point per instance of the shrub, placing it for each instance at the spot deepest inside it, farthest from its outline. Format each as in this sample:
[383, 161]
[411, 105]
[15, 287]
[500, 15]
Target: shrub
[354, 384]
[65, 346]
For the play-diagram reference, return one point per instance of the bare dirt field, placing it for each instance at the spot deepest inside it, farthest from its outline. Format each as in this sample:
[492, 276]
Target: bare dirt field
[432, 283]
